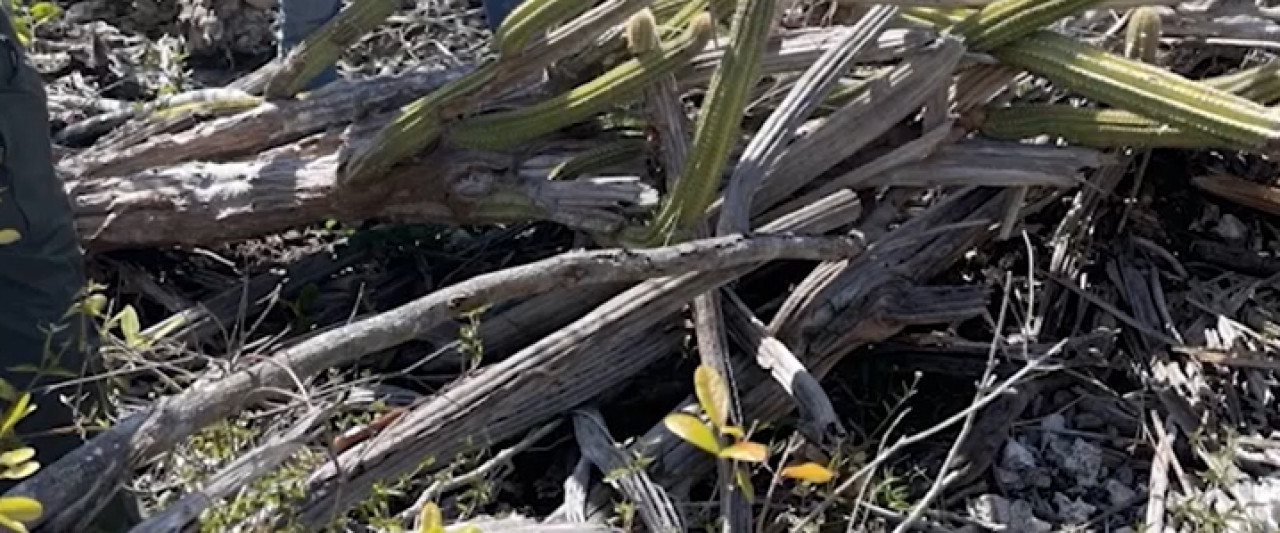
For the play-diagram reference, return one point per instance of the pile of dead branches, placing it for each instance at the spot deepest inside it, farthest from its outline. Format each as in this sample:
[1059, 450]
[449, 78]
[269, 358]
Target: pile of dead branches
[893, 178]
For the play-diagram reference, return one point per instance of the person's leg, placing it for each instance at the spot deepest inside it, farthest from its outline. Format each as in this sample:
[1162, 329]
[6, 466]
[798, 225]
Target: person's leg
[298, 19]
[42, 272]
[496, 11]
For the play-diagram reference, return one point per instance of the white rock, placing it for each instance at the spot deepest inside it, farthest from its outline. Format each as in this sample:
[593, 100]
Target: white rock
[989, 509]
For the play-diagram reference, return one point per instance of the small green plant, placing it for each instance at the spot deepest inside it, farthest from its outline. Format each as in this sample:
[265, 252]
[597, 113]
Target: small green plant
[26, 18]
[125, 322]
[470, 342]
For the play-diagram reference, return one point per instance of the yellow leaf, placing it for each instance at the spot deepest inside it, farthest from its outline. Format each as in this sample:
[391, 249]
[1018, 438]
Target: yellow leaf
[9, 236]
[712, 394]
[18, 456]
[20, 508]
[811, 472]
[12, 525]
[733, 431]
[747, 451]
[15, 413]
[21, 471]
[693, 431]
[430, 520]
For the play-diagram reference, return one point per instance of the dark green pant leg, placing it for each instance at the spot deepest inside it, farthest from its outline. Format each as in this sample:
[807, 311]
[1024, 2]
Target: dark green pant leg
[41, 273]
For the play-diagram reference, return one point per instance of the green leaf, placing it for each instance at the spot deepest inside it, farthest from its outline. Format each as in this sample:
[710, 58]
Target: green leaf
[810, 472]
[712, 394]
[29, 368]
[169, 325]
[60, 372]
[693, 431]
[746, 451]
[43, 11]
[21, 29]
[8, 392]
[94, 305]
[16, 411]
[9, 236]
[16, 457]
[430, 520]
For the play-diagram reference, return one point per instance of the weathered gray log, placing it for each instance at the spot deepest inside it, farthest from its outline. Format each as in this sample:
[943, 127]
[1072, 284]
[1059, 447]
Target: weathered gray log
[267, 125]
[208, 203]
[74, 485]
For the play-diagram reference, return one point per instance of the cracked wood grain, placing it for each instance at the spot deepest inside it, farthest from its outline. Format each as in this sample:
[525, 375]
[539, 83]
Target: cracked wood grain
[203, 204]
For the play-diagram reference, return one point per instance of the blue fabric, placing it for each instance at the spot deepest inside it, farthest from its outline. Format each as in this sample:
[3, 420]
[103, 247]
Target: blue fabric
[298, 19]
[495, 11]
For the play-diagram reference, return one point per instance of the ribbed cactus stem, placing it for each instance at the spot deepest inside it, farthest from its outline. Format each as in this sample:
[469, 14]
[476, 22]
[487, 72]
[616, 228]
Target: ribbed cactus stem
[1004, 21]
[415, 127]
[1144, 89]
[938, 18]
[623, 82]
[601, 157]
[719, 122]
[1097, 128]
[326, 45]
[532, 18]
